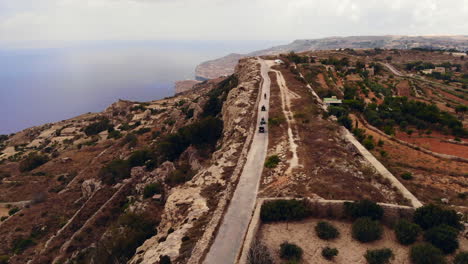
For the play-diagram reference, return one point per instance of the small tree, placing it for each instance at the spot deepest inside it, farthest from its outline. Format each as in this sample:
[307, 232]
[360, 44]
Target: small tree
[366, 230]
[283, 210]
[329, 253]
[290, 251]
[429, 216]
[326, 231]
[444, 237]
[32, 161]
[406, 232]
[425, 253]
[152, 189]
[379, 256]
[272, 161]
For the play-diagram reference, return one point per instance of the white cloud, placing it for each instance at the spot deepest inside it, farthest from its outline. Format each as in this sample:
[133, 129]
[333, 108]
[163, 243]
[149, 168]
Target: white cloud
[30, 22]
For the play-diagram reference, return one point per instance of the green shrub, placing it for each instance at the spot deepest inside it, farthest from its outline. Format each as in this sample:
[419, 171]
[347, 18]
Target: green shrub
[366, 230]
[326, 231]
[406, 232]
[97, 127]
[368, 143]
[283, 210]
[444, 237]
[272, 161]
[164, 259]
[13, 211]
[32, 161]
[20, 245]
[183, 174]
[379, 256]
[460, 258]
[329, 253]
[152, 189]
[143, 130]
[115, 171]
[429, 216]
[139, 158]
[114, 134]
[363, 208]
[259, 254]
[407, 176]
[276, 121]
[290, 251]
[346, 122]
[425, 253]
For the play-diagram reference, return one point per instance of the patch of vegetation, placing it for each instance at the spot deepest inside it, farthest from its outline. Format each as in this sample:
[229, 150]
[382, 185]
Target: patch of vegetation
[182, 174]
[407, 176]
[4, 259]
[406, 232]
[259, 254]
[115, 171]
[13, 210]
[276, 121]
[363, 208]
[290, 251]
[284, 210]
[272, 161]
[152, 189]
[379, 256]
[139, 157]
[217, 96]
[366, 230]
[21, 244]
[114, 134]
[429, 216]
[143, 130]
[326, 231]
[329, 253]
[165, 259]
[444, 237]
[425, 253]
[32, 161]
[130, 139]
[98, 127]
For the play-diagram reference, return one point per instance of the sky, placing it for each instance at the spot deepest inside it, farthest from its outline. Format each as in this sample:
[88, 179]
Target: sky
[56, 23]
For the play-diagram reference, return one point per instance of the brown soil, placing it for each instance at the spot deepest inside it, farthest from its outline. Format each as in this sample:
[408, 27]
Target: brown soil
[433, 142]
[404, 88]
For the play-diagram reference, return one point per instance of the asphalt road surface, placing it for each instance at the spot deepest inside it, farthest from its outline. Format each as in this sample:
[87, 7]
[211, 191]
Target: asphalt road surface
[229, 239]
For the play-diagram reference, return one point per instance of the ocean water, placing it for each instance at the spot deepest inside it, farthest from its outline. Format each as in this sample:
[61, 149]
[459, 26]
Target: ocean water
[38, 86]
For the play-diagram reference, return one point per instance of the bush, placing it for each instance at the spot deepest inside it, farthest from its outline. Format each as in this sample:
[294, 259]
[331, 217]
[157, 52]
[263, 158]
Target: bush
[406, 232]
[130, 139]
[13, 211]
[139, 158]
[98, 127]
[259, 254]
[32, 161]
[368, 143]
[290, 251]
[366, 230]
[346, 122]
[425, 253]
[326, 231]
[364, 208]
[283, 210]
[183, 174]
[115, 171]
[429, 216]
[329, 253]
[407, 176]
[272, 161]
[460, 258]
[152, 189]
[114, 134]
[379, 256]
[20, 245]
[164, 259]
[444, 237]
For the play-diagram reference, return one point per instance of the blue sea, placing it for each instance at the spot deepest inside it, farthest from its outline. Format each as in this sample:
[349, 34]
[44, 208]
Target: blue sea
[44, 85]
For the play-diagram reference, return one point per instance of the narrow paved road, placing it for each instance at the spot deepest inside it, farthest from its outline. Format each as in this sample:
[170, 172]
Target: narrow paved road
[230, 236]
[392, 69]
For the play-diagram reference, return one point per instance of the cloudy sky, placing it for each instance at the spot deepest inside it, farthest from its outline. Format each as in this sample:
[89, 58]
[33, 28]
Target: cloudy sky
[47, 23]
